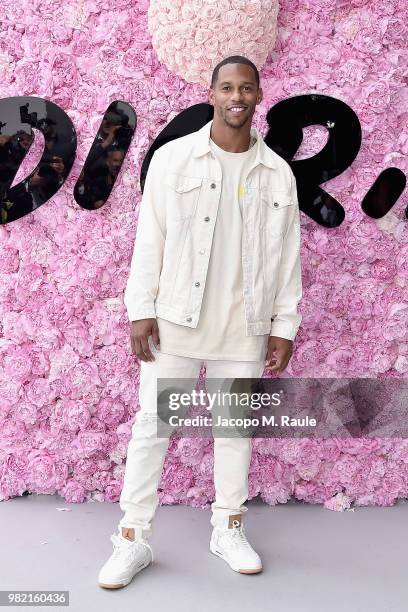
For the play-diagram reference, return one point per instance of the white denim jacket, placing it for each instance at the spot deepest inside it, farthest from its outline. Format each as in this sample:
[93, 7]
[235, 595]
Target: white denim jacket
[175, 229]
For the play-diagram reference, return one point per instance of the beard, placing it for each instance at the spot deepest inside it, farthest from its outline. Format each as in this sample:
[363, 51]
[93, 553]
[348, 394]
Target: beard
[235, 122]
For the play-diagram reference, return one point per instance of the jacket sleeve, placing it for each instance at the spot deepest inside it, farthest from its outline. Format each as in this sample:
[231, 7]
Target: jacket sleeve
[146, 264]
[285, 317]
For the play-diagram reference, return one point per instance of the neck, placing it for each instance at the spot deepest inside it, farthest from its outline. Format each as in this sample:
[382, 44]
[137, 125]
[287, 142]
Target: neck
[234, 140]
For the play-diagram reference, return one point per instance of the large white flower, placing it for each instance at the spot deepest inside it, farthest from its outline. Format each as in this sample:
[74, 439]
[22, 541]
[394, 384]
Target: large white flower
[217, 29]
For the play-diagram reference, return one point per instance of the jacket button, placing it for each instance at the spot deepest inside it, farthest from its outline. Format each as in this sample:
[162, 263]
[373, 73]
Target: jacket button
[213, 185]
[202, 251]
[189, 319]
[206, 218]
[276, 204]
[197, 284]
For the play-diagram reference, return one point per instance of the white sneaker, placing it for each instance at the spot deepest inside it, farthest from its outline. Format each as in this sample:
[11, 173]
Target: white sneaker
[128, 558]
[230, 544]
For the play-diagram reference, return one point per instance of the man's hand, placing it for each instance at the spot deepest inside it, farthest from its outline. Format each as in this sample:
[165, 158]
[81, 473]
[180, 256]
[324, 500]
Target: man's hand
[283, 351]
[141, 330]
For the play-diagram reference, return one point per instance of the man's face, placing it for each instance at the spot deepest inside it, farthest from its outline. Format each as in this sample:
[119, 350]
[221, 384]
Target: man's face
[235, 87]
[37, 180]
[115, 158]
[25, 140]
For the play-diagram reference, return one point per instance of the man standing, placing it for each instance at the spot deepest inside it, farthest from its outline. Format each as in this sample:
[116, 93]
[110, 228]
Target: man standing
[215, 278]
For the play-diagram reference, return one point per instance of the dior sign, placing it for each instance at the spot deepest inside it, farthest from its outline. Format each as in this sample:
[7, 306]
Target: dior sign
[19, 116]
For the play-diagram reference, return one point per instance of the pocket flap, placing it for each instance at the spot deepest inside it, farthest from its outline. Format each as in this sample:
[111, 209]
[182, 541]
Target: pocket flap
[277, 199]
[182, 183]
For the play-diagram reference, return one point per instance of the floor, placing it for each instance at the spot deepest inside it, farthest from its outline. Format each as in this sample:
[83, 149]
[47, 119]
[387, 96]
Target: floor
[314, 559]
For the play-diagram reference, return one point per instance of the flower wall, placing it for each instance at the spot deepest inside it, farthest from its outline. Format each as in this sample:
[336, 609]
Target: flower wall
[68, 379]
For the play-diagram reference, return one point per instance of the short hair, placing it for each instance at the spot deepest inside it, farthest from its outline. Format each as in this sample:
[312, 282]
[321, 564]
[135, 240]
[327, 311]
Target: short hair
[234, 59]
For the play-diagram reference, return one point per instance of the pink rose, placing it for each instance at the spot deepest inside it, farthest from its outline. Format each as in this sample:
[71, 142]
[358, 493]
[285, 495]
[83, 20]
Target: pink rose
[73, 492]
[41, 472]
[76, 416]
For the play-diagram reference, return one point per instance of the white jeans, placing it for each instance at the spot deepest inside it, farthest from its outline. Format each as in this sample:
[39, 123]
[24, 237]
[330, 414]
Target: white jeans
[146, 451]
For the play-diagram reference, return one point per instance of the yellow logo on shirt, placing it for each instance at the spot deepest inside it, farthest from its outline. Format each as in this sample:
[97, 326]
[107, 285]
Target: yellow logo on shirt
[241, 192]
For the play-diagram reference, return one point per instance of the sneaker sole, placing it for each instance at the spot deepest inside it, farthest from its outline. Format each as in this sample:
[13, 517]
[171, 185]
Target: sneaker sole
[123, 584]
[240, 570]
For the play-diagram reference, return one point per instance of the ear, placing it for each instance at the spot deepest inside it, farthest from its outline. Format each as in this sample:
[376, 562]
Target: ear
[260, 95]
[211, 96]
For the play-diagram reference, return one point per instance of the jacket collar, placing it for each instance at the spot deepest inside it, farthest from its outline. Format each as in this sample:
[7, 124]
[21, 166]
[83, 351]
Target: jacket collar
[264, 154]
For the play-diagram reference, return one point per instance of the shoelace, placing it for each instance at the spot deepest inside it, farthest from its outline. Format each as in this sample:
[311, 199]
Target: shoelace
[122, 544]
[236, 535]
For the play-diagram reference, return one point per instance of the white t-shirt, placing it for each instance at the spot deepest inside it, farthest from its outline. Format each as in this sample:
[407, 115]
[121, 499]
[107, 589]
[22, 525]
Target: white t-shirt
[221, 331]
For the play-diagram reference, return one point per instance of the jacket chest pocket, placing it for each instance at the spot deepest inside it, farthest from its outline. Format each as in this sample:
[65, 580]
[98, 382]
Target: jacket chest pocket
[182, 196]
[275, 206]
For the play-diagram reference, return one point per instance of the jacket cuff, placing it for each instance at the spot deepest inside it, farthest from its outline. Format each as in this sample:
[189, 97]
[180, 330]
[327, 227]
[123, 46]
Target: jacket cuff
[135, 314]
[283, 329]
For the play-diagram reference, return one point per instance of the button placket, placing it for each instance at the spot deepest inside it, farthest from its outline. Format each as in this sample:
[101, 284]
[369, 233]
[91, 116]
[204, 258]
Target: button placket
[201, 271]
